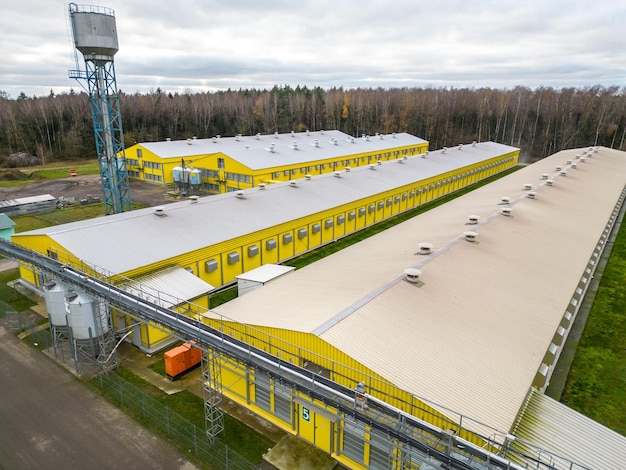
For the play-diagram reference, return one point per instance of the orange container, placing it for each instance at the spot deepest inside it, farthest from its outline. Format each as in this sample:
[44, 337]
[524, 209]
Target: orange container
[181, 359]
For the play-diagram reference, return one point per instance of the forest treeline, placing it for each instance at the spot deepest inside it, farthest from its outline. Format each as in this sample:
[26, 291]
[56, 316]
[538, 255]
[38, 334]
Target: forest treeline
[539, 121]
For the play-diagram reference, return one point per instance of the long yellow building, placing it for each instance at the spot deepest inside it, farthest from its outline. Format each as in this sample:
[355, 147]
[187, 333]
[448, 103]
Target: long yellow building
[225, 164]
[212, 240]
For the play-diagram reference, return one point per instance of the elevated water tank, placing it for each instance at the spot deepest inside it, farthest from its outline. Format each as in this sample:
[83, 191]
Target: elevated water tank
[86, 315]
[94, 30]
[54, 294]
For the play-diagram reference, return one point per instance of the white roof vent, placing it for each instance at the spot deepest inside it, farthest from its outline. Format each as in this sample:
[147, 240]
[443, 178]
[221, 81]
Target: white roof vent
[261, 186]
[196, 137]
[159, 210]
[532, 195]
[412, 275]
[473, 219]
[550, 182]
[276, 135]
[400, 160]
[470, 236]
[293, 184]
[189, 142]
[307, 176]
[168, 139]
[443, 150]
[238, 137]
[347, 168]
[528, 186]
[583, 159]
[258, 136]
[505, 199]
[379, 162]
[367, 138]
[460, 146]
[372, 167]
[293, 134]
[425, 248]
[337, 174]
[194, 199]
[473, 143]
[558, 168]
[595, 150]
[322, 131]
[574, 165]
[545, 176]
[563, 173]
[240, 195]
[506, 211]
[272, 147]
[295, 145]
[214, 139]
[393, 135]
[307, 132]
[317, 143]
[352, 140]
[568, 162]
[335, 141]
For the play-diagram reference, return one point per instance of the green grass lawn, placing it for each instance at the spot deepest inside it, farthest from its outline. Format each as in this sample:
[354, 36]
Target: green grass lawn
[9, 295]
[596, 384]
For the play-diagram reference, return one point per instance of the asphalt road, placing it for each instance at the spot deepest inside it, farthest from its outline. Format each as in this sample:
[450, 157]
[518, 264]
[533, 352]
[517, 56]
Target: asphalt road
[49, 419]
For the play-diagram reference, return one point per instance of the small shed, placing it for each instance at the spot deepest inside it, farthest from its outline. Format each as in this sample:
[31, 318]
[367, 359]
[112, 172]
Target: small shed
[6, 227]
[260, 276]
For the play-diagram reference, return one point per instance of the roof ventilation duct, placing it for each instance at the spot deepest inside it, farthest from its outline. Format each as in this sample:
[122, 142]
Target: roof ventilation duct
[240, 195]
[347, 168]
[261, 186]
[505, 200]
[558, 168]
[372, 167]
[293, 184]
[574, 165]
[425, 248]
[189, 142]
[583, 159]
[470, 236]
[528, 186]
[550, 182]
[532, 195]
[194, 199]
[337, 174]
[307, 177]
[563, 173]
[506, 211]
[460, 146]
[412, 275]
[473, 219]
[568, 162]
[545, 176]
[159, 210]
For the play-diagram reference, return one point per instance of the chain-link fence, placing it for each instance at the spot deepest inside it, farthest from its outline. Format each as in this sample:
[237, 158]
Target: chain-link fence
[166, 422]
[27, 324]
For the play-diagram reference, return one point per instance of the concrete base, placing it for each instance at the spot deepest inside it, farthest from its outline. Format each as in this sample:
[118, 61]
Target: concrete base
[293, 453]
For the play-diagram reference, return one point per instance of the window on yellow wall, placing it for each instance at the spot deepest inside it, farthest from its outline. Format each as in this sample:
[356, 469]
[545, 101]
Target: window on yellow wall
[139, 153]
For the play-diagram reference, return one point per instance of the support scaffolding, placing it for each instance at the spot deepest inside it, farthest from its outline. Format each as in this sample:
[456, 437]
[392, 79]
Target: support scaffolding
[212, 393]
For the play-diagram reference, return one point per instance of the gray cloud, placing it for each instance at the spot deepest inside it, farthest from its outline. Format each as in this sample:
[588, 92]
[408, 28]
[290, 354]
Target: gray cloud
[208, 45]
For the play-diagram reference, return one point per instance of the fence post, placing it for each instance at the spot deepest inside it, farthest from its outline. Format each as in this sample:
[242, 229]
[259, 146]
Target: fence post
[143, 407]
[167, 419]
[195, 438]
[226, 458]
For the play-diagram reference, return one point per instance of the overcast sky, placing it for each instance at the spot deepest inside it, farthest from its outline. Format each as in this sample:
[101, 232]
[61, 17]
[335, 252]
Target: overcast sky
[194, 45]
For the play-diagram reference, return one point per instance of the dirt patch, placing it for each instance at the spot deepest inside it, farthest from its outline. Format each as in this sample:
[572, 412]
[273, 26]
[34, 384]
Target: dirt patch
[87, 187]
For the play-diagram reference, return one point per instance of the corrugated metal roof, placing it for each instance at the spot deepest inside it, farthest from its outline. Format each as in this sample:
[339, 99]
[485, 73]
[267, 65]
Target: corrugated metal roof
[254, 151]
[472, 334]
[168, 287]
[186, 227]
[265, 273]
[26, 200]
[6, 222]
[565, 432]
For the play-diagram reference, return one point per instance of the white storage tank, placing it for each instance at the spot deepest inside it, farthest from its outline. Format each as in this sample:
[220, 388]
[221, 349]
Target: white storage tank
[54, 294]
[84, 315]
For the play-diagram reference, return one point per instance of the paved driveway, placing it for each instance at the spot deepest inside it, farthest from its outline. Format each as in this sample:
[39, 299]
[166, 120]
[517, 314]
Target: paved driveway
[49, 419]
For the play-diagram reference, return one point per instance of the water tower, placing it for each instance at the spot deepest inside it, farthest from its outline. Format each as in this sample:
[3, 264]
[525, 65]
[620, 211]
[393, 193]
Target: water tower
[95, 36]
